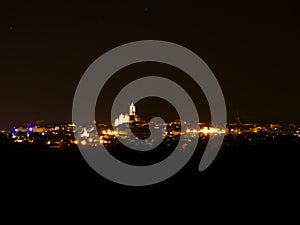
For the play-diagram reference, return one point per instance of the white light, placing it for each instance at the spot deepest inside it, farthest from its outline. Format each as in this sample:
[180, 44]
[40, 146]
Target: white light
[85, 133]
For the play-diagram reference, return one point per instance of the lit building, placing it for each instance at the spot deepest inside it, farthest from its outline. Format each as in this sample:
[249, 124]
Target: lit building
[122, 119]
[132, 110]
[132, 117]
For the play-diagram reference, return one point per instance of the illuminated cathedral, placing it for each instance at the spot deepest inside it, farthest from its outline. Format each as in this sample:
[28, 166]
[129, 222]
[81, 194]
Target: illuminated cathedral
[132, 117]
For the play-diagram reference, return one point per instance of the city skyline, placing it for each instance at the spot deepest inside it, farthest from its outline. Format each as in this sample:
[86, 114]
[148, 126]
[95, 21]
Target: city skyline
[124, 116]
[150, 112]
[132, 117]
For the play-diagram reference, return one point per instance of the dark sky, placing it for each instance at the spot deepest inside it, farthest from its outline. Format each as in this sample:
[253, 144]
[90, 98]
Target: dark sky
[252, 48]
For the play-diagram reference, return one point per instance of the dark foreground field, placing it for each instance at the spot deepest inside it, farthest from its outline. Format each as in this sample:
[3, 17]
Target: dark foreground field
[244, 185]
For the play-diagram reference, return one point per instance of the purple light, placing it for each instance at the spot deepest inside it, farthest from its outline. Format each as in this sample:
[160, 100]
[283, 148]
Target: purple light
[16, 130]
[30, 129]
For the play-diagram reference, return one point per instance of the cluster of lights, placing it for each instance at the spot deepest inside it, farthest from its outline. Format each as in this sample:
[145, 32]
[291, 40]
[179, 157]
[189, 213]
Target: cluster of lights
[28, 129]
[109, 132]
[206, 130]
[88, 139]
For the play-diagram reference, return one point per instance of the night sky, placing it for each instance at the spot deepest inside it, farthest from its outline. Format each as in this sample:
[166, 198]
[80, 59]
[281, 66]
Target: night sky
[252, 48]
